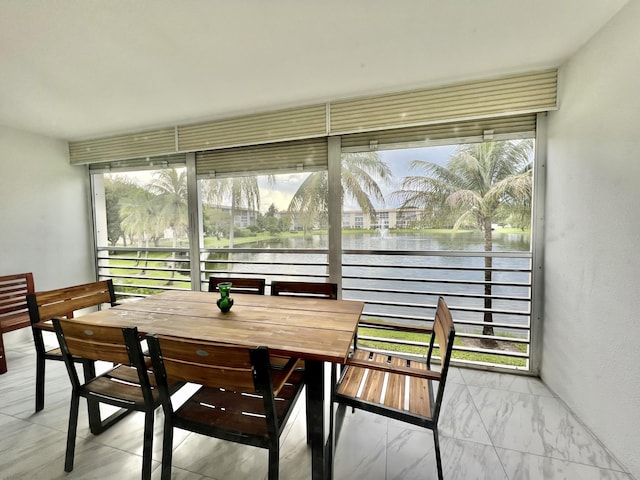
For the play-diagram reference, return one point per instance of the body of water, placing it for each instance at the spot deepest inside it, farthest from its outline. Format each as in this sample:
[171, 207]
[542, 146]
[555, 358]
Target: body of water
[416, 280]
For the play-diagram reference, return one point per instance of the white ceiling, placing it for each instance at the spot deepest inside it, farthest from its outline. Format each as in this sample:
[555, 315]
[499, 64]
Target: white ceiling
[75, 69]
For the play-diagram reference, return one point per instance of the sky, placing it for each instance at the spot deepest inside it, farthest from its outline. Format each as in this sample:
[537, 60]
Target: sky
[398, 160]
[286, 184]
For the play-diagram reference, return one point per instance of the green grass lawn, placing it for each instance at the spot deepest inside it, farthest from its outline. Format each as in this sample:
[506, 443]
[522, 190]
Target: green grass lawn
[415, 349]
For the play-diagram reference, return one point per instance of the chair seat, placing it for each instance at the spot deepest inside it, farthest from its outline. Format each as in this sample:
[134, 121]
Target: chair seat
[394, 390]
[119, 383]
[214, 408]
[54, 352]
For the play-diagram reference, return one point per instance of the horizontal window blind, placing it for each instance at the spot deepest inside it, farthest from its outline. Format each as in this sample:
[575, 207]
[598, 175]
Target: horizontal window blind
[533, 92]
[120, 147]
[144, 163]
[455, 132]
[291, 124]
[296, 156]
[449, 107]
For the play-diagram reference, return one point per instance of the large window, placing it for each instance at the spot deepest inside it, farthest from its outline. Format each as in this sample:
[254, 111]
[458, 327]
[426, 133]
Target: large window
[451, 220]
[277, 211]
[142, 230]
[405, 223]
[268, 225]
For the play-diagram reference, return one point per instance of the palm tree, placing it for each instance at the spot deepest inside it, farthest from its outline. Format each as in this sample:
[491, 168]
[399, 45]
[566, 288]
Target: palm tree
[171, 187]
[140, 218]
[243, 192]
[482, 184]
[360, 175]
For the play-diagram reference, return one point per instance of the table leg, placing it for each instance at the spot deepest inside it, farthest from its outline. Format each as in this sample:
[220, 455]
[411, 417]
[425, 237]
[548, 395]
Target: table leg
[321, 448]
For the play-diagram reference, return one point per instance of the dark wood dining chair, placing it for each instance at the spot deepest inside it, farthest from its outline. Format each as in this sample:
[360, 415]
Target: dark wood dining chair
[127, 385]
[62, 302]
[412, 390]
[239, 284]
[241, 398]
[305, 289]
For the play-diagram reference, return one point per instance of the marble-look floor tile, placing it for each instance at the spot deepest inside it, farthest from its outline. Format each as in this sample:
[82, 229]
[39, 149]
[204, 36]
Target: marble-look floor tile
[492, 426]
[361, 446]
[295, 454]
[219, 459]
[454, 376]
[96, 461]
[524, 466]
[470, 461]
[411, 455]
[28, 449]
[507, 382]
[539, 425]
[128, 434]
[459, 417]
[179, 474]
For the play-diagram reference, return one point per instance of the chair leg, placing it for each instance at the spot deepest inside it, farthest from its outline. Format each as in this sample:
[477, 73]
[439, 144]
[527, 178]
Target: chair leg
[274, 461]
[306, 396]
[3, 358]
[93, 406]
[167, 449]
[147, 448]
[339, 414]
[436, 443]
[39, 383]
[71, 432]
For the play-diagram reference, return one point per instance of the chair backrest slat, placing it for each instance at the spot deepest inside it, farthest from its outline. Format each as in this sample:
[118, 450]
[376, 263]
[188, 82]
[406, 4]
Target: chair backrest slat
[249, 285]
[444, 335]
[316, 289]
[64, 301]
[206, 363]
[95, 342]
[443, 323]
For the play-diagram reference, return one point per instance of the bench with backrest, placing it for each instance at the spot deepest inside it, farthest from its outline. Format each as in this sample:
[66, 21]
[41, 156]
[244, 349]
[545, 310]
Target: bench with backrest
[62, 303]
[13, 307]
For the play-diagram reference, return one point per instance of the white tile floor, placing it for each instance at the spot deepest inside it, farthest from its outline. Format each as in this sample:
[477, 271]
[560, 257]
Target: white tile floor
[493, 426]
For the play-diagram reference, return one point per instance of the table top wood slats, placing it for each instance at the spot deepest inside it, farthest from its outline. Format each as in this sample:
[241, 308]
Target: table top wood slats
[307, 328]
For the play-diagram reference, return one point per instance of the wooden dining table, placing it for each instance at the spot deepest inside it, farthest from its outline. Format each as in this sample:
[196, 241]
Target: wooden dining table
[316, 330]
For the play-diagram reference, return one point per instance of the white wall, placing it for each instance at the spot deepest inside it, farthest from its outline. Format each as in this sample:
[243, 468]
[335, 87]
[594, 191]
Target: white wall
[591, 345]
[45, 221]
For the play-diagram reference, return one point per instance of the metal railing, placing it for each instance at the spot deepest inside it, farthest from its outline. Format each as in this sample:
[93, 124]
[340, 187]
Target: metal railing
[396, 286]
[139, 272]
[404, 286]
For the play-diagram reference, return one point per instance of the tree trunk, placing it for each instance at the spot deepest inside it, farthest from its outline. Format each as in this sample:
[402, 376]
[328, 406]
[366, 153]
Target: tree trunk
[233, 221]
[488, 303]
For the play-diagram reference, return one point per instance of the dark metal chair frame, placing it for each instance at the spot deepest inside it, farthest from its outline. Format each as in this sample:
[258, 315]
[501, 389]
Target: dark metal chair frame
[421, 408]
[305, 289]
[63, 302]
[127, 385]
[233, 379]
